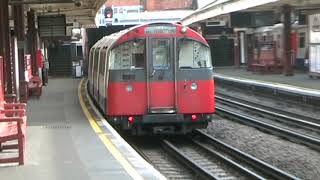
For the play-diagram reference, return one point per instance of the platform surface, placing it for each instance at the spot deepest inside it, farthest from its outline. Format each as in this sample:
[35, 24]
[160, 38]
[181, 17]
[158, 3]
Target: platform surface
[61, 144]
[300, 79]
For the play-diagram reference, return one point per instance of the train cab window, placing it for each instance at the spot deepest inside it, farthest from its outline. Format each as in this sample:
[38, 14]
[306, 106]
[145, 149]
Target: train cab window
[193, 54]
[161, 53]
[129, 55]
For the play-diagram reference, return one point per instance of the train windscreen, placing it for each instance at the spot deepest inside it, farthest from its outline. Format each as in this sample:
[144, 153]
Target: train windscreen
[128, 55]
[193, 55]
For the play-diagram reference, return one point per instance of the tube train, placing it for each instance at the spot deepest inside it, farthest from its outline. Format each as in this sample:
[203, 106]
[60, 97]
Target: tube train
[153, 79]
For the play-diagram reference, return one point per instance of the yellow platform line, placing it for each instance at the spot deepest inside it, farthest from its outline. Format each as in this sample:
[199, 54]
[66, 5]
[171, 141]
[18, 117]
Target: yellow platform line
[106, 141]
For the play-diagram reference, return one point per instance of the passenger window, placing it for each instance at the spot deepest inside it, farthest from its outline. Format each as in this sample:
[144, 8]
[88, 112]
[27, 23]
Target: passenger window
[193, 54]
[91, 60]
[96, 59]
[130, 55]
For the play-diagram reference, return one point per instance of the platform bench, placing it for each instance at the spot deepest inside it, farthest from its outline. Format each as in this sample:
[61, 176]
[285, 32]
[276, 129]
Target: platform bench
[13, 123]
[267, 66]
[35, 86]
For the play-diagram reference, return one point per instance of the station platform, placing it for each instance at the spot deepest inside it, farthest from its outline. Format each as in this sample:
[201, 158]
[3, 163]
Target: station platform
[300, 83]
[63, 145]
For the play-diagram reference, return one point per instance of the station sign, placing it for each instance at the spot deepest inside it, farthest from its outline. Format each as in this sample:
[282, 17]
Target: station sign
[52, 25]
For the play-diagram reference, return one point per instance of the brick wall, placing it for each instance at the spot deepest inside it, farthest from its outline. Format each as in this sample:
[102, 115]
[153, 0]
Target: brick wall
[154, 5]
[122, 2]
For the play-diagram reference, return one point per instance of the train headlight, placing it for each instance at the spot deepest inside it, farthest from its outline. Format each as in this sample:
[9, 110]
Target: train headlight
[194, 86]
[129, 88]
[184, 30]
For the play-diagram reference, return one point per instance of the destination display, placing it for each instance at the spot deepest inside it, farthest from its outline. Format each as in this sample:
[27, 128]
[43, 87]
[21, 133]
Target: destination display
[161, 30]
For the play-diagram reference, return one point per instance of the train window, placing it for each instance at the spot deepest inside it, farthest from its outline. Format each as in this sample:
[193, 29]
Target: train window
[129, 55]
[161, 53]
[302, 40]
[193, 54]
[102, 61]
[264, 38]
[95, 63]
[91, 60]
[279, 41]
[96, 57]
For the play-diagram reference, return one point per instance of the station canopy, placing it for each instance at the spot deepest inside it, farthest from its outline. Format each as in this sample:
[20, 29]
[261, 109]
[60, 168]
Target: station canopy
[221, 7]
[82, 11]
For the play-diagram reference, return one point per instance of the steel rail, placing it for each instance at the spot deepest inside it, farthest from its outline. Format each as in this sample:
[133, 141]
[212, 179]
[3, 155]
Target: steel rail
[245, 158]
[283, 132]
[283, 116]
[181, 157]
[225, 159]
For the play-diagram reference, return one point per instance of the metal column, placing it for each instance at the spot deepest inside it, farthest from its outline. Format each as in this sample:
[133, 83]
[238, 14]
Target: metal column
[13, 68]
[243, 53]
[18, 11]
[236, 50]
[5, 43]
[288, 69]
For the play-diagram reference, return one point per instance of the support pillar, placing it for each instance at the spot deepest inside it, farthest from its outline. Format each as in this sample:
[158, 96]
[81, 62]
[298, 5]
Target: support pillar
[32, 33]
[288, 69]
[5, 44]
[243, 49]
[18, 11]
[236, 51]
[35, 82]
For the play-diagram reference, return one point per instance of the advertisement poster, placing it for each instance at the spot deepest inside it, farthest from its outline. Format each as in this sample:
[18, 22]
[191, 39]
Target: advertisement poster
[314, 27]
[315, 58]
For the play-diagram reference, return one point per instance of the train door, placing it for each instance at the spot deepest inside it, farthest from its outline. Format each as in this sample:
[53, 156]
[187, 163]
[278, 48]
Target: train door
[161, 76]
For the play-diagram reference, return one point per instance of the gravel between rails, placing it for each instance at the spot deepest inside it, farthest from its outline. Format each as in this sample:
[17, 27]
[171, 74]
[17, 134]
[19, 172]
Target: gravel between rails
[296, 159]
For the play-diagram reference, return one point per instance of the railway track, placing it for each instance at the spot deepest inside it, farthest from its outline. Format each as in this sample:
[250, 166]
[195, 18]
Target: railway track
[207, 158]
[285, 116]
[285, 124]
[152, 151]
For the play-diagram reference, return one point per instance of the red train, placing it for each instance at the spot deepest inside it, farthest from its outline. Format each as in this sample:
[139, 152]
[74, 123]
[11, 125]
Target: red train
[153, 78]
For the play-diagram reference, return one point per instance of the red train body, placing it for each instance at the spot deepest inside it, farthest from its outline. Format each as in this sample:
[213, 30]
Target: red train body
[153, 78]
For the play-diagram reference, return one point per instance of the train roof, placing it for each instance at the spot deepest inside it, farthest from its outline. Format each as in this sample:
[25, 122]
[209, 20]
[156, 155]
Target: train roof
[111, 40]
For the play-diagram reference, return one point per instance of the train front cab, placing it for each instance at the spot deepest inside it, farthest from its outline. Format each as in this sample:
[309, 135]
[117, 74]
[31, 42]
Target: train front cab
[161, 84]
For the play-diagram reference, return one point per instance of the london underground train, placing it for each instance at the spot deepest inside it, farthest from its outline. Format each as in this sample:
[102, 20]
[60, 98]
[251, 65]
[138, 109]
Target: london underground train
[153, 79]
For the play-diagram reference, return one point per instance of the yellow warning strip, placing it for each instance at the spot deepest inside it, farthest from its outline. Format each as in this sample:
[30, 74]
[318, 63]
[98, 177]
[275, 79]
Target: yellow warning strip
[106, 141]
